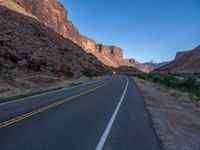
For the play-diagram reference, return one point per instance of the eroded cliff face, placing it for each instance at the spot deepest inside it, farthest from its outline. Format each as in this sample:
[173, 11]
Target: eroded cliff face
[141, 67]
[53, 14]
[109, 50]
[89, 45]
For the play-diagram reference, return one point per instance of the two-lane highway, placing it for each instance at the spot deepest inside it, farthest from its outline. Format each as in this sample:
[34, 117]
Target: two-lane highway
[107, 114]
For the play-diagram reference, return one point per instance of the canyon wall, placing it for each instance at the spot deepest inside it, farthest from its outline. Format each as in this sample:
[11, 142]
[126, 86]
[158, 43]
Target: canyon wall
[28, 47]
[186, 62]
[53, 14]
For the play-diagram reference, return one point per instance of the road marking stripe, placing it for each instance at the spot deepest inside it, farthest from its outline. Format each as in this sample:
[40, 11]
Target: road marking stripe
[110, 124]
[39, 110]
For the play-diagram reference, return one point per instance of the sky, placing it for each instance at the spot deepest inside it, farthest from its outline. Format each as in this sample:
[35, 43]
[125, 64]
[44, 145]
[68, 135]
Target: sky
[145, 29]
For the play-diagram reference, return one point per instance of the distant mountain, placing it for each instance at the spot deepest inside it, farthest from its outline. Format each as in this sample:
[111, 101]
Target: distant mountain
[187, 62]
[155, 64]
[140, 66]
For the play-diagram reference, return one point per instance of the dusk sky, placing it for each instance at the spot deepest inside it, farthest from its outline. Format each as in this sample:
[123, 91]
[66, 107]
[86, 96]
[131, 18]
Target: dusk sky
[145, 29]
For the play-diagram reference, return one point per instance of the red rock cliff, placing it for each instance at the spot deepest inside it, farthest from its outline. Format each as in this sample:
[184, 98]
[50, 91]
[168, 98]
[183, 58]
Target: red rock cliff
[109, 50]
[54, 15]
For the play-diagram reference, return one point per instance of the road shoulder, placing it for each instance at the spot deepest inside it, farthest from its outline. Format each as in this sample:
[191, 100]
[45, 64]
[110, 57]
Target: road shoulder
[132, 128]
[177, 125]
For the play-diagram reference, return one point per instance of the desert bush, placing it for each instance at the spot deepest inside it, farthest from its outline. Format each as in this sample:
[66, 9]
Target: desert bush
[69, 74]
[92, 73]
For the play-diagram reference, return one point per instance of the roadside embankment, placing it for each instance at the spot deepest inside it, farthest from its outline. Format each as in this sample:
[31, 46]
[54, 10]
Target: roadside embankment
[33, 85]
[176, 124]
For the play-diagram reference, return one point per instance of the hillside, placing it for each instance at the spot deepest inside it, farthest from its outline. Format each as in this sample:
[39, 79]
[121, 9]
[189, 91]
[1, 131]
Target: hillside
[28, 48]
[187, 62]
[53, 14]
[140, 66]
[181, 54]
[153, 64]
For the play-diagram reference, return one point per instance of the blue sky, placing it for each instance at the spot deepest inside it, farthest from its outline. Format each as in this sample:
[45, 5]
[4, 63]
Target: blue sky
[145, 29]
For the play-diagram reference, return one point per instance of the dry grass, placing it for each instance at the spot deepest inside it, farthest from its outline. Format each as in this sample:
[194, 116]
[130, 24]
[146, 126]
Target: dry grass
[183, 97]
[33, 85]
[176, 125]
[5, 88]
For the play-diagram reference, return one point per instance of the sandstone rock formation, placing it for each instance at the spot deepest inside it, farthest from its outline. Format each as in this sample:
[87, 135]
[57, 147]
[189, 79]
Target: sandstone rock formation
[54, 15]
[141, 67]
[28, 47]
[187, 63]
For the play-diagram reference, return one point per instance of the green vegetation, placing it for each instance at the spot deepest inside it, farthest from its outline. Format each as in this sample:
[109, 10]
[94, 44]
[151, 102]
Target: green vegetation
[74, 84]
[93, 73]
[68, 74]
[185, 83]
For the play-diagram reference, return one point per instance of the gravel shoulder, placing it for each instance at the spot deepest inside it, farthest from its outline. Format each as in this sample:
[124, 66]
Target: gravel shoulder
[177, 125]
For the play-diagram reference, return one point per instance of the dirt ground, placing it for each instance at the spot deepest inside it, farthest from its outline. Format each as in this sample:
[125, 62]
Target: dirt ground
[177, 125]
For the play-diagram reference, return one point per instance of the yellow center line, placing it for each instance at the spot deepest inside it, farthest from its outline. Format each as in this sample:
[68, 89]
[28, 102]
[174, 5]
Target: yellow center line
[39, 110]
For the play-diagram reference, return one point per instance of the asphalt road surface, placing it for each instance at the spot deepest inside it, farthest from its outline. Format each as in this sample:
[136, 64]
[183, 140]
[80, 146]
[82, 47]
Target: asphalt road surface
[107, 114]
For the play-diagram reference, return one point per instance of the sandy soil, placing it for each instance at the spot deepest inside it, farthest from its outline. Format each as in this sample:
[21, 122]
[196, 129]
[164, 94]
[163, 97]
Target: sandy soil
[177, 125]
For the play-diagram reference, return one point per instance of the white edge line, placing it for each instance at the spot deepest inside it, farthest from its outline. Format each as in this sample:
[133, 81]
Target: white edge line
[110, 124]
[67, 88]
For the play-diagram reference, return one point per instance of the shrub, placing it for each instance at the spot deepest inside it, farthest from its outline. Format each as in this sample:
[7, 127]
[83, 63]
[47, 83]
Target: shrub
[69, 74]
[188, 85]
[92, 73]
[169, 81]
[156, 79]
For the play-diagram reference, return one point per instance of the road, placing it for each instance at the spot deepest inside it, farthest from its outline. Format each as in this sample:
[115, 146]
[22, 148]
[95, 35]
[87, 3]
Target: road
[107, 114]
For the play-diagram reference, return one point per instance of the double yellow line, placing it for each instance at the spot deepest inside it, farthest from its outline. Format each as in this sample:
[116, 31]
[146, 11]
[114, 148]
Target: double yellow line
[39, 110]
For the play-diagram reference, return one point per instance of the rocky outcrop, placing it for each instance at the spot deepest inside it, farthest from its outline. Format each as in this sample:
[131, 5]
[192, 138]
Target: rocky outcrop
[54, 15]
[141, 67]
[89, 45]
[187, 63]
[109, 50]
